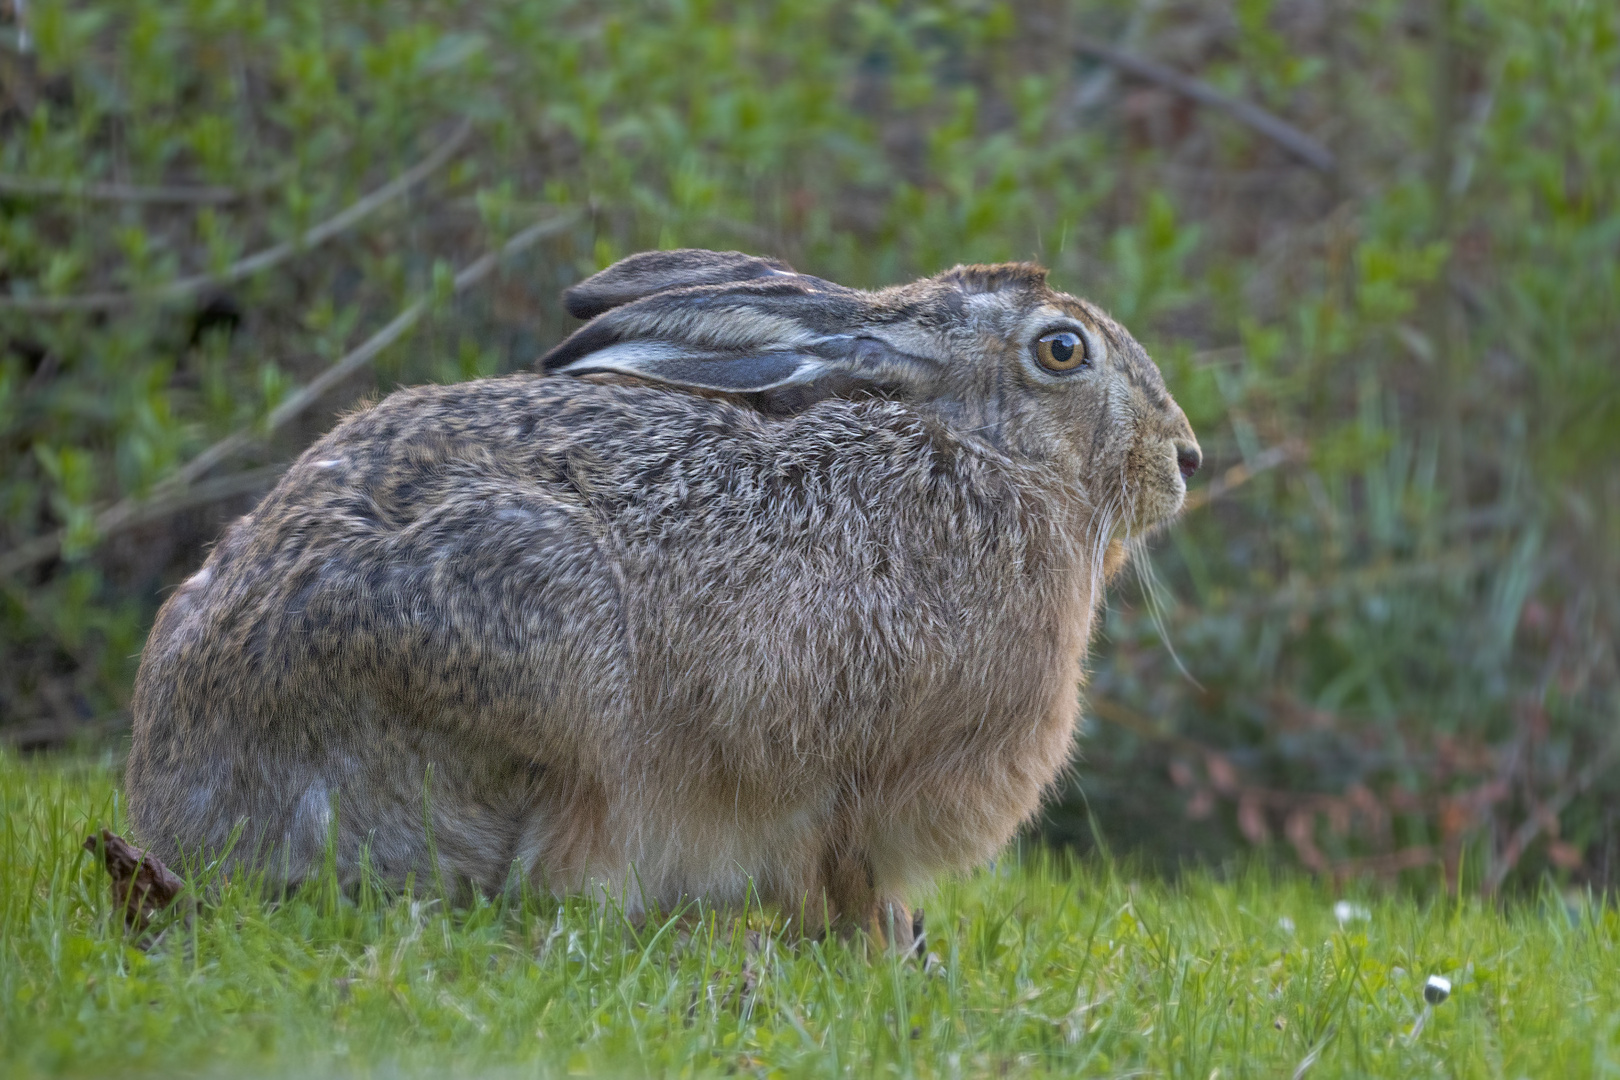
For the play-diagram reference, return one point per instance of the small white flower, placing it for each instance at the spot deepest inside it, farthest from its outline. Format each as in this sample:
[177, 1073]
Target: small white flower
[1347, 912]
[1285, 924]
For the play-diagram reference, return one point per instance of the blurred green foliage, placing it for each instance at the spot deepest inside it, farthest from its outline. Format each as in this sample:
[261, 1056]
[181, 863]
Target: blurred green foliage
[1391, 639]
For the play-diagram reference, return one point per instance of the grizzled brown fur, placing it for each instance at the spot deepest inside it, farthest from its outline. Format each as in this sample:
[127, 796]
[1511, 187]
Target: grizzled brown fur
[778, 582]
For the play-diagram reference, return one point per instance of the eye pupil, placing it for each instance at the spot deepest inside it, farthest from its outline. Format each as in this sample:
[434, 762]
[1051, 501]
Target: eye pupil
[1063, 348]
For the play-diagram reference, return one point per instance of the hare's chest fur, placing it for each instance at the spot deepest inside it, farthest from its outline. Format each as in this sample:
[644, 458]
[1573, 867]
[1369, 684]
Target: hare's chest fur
[844, 612]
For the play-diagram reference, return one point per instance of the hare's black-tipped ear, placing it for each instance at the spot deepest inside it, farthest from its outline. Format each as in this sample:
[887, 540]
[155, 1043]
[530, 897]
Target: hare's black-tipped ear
[778, 379]
[791, 339]
[780, 339]
[678, 364]
[659, 271]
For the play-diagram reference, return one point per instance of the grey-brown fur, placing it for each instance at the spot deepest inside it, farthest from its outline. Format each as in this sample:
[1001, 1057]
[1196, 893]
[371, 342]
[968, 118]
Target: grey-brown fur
[637, 632]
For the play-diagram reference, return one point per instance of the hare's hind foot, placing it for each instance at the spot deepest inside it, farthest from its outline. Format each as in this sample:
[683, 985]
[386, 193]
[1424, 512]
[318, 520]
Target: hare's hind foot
[855, 905]
[897, 927]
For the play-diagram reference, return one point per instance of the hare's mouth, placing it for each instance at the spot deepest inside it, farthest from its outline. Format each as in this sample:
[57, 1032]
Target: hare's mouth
[1158, 499]
[1152, 516]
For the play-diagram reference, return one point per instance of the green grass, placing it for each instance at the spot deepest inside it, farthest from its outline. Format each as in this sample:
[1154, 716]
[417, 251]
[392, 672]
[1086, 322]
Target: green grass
[1047, 966]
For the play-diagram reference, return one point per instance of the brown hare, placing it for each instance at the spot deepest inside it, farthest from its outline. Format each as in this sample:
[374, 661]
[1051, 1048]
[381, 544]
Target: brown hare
[765, 583]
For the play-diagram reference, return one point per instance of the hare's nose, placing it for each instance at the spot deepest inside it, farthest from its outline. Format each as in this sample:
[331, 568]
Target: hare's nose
[1188, 458]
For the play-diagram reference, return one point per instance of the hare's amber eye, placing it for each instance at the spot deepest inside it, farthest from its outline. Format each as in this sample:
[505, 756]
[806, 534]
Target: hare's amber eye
[1061, 351]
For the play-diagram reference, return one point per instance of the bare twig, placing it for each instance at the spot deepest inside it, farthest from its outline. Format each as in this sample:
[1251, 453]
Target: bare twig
[44, 735]
[173, 194]
[132, 513]
[261, 261]
[1241, 474]
[1304, 595]
[1407, 858]
[175, 492]
[184, 193]
[211, 491]
[296, 403]
[1279, 131]
[1131, 720]
[1303, 807]
[1545, 812]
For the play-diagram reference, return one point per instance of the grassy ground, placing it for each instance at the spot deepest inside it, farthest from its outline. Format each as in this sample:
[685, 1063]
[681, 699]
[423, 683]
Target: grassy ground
[1043, 965]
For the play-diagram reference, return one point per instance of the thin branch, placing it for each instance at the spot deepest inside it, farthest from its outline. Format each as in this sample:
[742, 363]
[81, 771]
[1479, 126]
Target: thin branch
[175, 493]
[1279, 131]
[131, 193]
[1387, 865]
[1123, 716]
[261, 261]
[1304, 595]
[131, 513]
[173, 194]
[296, 403]
[48, 734]
[1241, 474]
[30, 552]
[204, 494]
[1536, 823]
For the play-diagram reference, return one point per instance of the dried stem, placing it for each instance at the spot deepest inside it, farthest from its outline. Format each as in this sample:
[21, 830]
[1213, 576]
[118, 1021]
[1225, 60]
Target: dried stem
[1279, 131]
[257, 263]
[317, 388]
[1545, 812]
[1241, 474]
[175, 494]
[73, 189]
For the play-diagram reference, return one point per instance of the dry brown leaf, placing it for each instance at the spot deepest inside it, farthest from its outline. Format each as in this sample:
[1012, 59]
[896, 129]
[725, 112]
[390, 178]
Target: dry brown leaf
[1252, 820]
[1221, 773]
[141, 885]
[1300, 829]
[1564, 855]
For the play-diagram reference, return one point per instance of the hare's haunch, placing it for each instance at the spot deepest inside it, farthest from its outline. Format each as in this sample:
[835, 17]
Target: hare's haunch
[769, 581]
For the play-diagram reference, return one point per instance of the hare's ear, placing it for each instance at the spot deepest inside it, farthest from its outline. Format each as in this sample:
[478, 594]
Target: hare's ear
[787, 339]
[659, 271]
[838, 366]
[790, 339]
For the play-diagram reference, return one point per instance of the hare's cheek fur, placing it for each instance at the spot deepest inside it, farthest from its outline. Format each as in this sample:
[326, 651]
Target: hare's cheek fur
[1114, 558]
[1157, 488]
[1142, 487]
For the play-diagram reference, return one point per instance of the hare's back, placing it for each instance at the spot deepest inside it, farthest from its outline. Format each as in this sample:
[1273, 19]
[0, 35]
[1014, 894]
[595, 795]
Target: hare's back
[423, 562]
[422, 594]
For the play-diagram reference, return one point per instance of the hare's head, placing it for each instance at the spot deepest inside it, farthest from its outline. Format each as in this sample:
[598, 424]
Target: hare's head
[998, 354]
